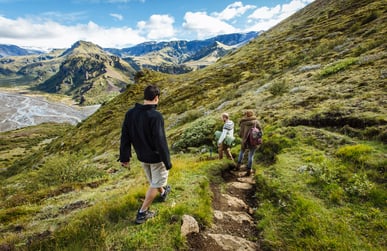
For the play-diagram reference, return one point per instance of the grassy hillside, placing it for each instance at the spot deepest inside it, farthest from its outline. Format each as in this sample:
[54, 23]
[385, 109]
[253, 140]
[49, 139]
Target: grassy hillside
[318, 84]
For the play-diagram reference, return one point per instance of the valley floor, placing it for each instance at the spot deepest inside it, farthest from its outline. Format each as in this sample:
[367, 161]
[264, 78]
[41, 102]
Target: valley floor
[19, 108]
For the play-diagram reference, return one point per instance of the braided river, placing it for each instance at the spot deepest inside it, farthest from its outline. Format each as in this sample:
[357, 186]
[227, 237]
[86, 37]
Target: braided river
[18, 110]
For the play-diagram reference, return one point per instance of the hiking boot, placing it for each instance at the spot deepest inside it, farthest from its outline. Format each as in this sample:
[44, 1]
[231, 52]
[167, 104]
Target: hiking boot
[248, 172]
[234, 167]
[167, 190]
[144, 216]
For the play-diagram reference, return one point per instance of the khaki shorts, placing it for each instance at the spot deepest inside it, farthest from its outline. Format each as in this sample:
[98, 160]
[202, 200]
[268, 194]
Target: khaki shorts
[156, 174]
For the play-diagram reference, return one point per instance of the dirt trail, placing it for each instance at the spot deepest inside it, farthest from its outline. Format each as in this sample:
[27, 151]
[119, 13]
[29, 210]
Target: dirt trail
[234, 227]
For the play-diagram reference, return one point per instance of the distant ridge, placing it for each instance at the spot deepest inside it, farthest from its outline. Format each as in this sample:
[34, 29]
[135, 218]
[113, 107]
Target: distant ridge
[184, 46]
[13, 50]
[173, 56]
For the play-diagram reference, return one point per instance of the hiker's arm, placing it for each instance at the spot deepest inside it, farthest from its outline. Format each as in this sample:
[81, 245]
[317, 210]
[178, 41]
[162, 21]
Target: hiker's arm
[161, 143]
[222, 136]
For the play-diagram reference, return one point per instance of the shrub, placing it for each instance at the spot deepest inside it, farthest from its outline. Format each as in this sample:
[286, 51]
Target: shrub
[272, 146]
[359, 185]
[190, 115]
[67, 168]
[278, 88]
[200, 132]
[326, 173]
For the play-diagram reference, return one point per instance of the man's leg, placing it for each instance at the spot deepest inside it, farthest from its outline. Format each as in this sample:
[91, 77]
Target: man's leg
[157, 176]
[250, 161]
[240, 158]
[251, 158]
[229, 155]
[149, 197]
[220, 151]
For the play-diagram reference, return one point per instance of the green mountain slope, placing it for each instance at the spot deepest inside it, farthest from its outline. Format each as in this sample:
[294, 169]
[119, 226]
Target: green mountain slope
[84, 72]
[31, 69]
[317, 82]
[88, 74]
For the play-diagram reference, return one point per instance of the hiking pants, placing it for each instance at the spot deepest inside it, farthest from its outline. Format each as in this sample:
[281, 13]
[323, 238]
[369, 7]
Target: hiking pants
[250, 157]
[224, 148]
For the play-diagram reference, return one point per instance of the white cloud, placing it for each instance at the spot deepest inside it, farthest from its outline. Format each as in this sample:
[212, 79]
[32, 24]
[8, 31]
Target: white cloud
[264, 18]
[233, 10]
[42, 31]
[265, 12]
[117, 16]
[290, 8]
[49, 34]
[157, 27]
[205, 25]
[233, 18]
[262, 25]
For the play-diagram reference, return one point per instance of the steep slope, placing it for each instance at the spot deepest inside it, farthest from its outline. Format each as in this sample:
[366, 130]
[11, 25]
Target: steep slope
[312, 69]
[317, 82]
[89, 74]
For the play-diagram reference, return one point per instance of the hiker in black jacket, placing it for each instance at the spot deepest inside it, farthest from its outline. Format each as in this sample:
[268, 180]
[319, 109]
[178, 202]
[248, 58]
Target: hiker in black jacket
[143, 128]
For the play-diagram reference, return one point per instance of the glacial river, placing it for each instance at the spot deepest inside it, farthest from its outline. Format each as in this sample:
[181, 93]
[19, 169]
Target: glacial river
[17, 111]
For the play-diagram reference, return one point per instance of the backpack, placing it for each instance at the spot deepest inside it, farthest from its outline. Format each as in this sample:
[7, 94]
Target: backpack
[229, 140]
[254, 136]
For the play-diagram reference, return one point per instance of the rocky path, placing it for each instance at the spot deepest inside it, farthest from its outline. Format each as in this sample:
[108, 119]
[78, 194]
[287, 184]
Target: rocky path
[234, 227]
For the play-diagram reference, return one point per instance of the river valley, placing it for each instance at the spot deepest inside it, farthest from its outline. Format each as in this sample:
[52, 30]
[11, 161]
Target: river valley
[19, 110]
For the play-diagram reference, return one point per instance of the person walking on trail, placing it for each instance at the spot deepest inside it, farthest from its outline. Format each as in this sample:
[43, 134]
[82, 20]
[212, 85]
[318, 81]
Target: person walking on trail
[228, 129]
[246, 123]
[143, 127]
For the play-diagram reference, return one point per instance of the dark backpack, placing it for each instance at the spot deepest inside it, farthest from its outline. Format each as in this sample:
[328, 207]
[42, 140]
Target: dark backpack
[254, 136]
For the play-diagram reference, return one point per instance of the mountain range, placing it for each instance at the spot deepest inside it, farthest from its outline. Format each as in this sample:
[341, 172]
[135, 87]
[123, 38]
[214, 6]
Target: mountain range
[93, 75]
[13, 50]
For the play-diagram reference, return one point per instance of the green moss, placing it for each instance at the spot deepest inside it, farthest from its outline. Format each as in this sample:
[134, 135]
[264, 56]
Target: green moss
[338, 66]
[358, 154]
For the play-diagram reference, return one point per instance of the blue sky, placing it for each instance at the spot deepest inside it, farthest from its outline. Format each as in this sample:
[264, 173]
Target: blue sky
[124, 23]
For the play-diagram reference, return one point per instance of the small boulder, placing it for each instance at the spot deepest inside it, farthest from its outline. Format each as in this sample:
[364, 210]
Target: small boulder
[189, 225]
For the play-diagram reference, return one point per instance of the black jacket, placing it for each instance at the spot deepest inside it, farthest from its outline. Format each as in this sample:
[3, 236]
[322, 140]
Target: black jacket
[143, 128]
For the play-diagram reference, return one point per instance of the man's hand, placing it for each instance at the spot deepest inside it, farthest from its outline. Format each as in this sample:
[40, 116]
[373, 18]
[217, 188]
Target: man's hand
[125, 164]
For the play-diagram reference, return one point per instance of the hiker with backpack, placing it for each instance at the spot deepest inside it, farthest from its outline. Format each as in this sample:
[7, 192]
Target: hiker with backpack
[251, 134]
[143, 128]
[228, 130]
